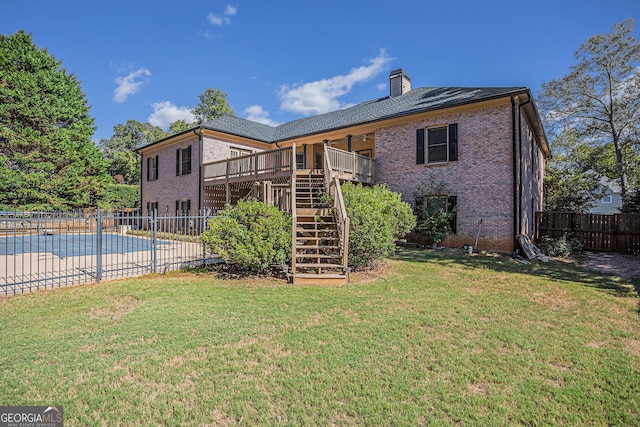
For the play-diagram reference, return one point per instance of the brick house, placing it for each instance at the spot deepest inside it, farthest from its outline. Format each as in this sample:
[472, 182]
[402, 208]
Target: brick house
[487, 146]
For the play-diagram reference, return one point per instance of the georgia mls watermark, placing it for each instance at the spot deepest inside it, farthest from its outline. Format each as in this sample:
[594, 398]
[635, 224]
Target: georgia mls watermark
[31, 416]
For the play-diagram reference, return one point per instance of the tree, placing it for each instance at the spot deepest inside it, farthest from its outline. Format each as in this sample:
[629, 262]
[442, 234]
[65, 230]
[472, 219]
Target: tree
[631, 204]
[600, 97]
[569, 191]
[119, 150]
[572, 176]
[179, 126]
[47, 158]
[213, 103]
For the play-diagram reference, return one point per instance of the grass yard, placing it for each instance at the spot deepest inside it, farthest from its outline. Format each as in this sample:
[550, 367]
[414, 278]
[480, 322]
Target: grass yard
[437, 338]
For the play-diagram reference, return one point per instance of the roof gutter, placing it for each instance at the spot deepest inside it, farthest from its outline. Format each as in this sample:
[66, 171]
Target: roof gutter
[200, 162]
[514, 169]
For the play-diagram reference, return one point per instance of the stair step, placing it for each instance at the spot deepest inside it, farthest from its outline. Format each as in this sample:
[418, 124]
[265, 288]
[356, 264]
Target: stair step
[312, 225]
[320, 256]
[317, 265]
[327, 275]
[319, 279]
[313, 212]
[318, 247]
[314, 222]
[315, 231]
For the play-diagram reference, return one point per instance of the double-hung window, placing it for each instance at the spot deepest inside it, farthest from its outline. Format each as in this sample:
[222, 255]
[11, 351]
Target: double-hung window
[438, 144]
[183, 207]
[152, 206]
[183, 161]
[152, 168]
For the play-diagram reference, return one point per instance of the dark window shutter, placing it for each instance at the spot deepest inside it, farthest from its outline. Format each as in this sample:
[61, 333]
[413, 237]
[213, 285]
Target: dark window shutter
[420, 146]
[453, 142]
[148, 168]
[452, 204]
[178, 162]
[157, 168]
[177, 207]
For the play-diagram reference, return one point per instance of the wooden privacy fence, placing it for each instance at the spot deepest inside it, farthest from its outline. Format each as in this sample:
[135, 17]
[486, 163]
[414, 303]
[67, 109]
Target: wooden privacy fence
[608, 233]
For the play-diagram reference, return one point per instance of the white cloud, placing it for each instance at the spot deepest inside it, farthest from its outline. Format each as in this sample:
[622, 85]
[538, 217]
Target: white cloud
[217, 19]
[129, 84]
[221, 20]
[209, 36]
[255, 113]
[323, 96]
[381, 86]
[165, 113]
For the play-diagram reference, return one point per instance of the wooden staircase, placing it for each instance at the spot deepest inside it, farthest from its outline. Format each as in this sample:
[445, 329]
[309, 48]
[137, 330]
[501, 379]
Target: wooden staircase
[318, 250]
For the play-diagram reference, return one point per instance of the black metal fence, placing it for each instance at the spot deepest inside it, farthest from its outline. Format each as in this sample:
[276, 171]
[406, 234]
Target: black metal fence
[41, 250]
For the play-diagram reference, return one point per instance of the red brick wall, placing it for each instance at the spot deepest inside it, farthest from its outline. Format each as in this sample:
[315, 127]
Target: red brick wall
[481, 179]
[532, 178]
[168, 187]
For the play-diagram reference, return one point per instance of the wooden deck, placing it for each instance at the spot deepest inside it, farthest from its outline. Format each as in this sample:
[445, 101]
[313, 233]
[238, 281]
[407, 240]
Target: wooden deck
[281, 163]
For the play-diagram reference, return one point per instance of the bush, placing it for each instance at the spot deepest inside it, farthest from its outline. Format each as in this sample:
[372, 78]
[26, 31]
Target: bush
[433, 213]
[252, 235]
[564, 247]
[378, 219]
[433, 223]
[120, 196]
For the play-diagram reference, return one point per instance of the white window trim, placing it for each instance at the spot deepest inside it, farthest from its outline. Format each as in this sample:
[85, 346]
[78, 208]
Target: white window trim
[439, 162]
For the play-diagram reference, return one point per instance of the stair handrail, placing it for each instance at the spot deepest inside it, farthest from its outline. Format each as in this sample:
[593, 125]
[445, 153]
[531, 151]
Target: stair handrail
[294, 219]
[332, 185]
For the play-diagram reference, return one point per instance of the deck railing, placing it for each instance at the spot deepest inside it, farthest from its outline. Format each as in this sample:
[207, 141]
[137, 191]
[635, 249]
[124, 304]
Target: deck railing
[281, 161]
[251, 165]
[352, 166]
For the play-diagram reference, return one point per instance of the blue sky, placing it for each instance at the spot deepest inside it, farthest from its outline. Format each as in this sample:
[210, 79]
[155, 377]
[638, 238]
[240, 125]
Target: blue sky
[282, 60]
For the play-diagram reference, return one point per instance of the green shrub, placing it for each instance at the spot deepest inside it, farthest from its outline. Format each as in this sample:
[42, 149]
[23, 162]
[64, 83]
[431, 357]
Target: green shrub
[252, 235]
[378, 219]
[564, 247]
[120, 196]
[433, 211]
[433, 223]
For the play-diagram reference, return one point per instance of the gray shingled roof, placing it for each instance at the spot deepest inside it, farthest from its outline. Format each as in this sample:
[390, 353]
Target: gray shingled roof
[415, 101]
[412, 102]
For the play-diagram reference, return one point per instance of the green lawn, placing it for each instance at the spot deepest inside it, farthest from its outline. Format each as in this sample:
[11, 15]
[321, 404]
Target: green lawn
[434, 338]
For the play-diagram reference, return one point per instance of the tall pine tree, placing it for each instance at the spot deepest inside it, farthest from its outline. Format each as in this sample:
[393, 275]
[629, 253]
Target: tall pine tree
[47, 158]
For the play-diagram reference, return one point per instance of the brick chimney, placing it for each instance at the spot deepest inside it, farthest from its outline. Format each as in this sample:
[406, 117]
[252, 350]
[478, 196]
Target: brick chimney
[399, 83]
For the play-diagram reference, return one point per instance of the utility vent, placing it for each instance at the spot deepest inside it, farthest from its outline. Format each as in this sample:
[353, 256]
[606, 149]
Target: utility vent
[399, 83]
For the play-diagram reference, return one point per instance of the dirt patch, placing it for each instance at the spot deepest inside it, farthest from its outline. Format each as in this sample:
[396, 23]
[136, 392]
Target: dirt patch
[621, 265]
